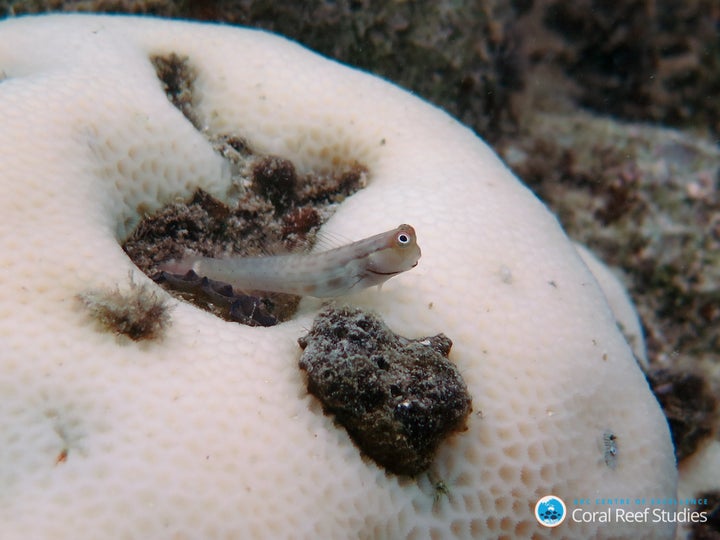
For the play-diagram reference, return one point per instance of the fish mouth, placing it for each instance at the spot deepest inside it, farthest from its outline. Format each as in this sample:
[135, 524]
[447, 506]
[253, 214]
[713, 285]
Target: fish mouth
[384, 273]
[390, 273]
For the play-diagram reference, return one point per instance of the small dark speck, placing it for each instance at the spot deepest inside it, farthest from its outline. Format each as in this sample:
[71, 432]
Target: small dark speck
[62, 456]
[610, 449]
[552, 284]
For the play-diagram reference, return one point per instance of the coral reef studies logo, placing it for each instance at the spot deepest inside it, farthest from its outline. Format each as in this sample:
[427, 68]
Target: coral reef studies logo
[550, 511]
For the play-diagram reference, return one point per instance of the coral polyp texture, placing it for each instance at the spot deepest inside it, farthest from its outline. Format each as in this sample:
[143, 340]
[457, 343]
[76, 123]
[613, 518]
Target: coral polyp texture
[204, 428]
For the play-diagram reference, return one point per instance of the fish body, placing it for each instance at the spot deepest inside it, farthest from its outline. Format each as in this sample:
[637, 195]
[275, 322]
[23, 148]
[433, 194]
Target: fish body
[335, 272]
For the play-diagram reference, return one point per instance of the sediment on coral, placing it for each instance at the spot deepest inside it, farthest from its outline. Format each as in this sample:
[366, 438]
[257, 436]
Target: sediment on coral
[178, 77]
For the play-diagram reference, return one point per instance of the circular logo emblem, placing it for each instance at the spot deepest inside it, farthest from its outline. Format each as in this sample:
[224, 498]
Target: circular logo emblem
[550, 511]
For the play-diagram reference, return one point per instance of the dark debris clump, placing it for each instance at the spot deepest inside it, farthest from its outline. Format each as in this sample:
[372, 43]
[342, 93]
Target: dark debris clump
[398, 398]
[690, 406]
[710, 529]
[275, 179]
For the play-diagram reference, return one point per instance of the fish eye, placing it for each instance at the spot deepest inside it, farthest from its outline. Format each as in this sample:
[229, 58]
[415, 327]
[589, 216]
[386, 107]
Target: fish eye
[403, 239]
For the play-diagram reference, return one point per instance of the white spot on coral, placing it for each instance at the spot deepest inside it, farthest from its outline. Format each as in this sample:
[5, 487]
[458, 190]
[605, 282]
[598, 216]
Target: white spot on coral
[505, 274]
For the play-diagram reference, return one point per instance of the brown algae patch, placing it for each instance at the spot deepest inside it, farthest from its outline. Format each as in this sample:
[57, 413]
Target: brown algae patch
[177, 76]
[138, 313]
[397, 398]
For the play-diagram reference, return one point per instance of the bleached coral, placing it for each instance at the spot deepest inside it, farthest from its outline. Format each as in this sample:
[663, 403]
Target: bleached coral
[210, 432]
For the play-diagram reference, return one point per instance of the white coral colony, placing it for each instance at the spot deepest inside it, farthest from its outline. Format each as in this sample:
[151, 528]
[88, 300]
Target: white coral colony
[208, 430]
